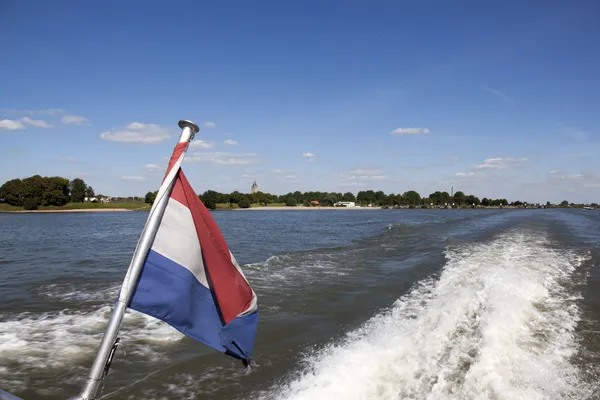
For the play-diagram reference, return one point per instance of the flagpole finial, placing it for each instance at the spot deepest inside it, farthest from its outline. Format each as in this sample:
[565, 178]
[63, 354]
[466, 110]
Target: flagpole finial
[184, 123]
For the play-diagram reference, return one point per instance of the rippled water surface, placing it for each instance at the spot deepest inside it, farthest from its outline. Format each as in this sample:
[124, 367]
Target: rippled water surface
[389, 304]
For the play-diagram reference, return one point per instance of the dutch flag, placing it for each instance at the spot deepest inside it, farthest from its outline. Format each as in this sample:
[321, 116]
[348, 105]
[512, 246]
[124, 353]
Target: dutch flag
[190, 278]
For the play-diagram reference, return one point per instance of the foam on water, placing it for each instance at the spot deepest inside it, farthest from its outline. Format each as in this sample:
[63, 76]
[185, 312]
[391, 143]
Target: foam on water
[498, 324]
[80, 292]
[31, 343]
[293, 268]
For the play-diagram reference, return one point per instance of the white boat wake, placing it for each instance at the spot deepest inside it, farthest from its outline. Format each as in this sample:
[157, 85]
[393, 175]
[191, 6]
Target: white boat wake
[498, 324]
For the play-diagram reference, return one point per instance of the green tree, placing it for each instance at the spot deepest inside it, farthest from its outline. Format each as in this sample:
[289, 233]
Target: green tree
[12, 192]
[348, 196]
[291, 201]
[31, 203]
[78, 189]
[380, 197]
[89, 192]
[54, 198]
[365, 197]
[472, 200]
[412, 197]
[56, 191]
[33, 187]
[209, 198]
[235, 197]
[223, 198]
[245, 201]
[149, 198]
[459, 198]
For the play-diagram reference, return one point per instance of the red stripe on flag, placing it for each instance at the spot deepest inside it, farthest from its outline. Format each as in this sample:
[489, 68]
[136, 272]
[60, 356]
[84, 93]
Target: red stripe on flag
[177, 192]
[233, 293]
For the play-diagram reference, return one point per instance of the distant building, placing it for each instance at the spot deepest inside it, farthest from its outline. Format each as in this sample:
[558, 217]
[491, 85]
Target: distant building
[254, 188]
[345, 204]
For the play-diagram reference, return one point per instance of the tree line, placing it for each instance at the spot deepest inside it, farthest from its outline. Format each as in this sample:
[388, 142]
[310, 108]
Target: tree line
[410, 198]
[35, 191]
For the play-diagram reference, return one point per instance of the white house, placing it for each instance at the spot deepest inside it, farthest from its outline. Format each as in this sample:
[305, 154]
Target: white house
[345, 204]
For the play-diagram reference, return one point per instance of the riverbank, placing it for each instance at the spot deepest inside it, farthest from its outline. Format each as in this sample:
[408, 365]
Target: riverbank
[282, 208]
[279, 208]
[80, 210]
[79, 207]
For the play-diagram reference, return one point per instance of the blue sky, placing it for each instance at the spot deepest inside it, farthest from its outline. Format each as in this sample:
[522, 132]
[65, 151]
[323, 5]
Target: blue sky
[498, 99]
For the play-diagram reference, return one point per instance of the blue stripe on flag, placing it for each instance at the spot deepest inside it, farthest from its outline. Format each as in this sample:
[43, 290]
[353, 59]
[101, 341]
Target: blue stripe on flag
[171, 293]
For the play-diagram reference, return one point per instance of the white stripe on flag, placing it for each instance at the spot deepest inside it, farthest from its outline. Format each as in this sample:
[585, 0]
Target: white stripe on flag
[177, 240]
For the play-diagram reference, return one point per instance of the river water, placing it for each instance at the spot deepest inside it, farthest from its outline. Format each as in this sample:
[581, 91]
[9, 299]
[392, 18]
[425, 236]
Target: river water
[389, 304]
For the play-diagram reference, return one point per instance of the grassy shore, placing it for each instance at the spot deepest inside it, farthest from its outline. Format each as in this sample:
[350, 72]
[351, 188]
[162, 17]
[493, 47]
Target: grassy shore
[283, 207]
[81, 207]
[257, 208]
[227, 206]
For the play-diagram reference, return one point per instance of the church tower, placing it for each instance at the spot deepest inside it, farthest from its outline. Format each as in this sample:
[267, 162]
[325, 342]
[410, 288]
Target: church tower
[254, 188]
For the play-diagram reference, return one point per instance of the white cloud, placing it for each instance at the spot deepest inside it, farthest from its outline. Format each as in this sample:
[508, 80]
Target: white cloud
[309, 155]
[230, 142]
[11, 124]
[411, 131]
[464, 174]
[364, 175]
[353, 184]
[201, 144]
[500, 94]
[575, 133]
[501, 163]
[224, 158]
[153, 167]
[576, 181]
[73, 119]
[366, 171]
[74, 175]
[38, 123]
[138, 132]
[49, 111]
[359, 175]
[132, 178]
[228, 134]
[279, 171]
[209, 124]
[290, 177]
[69, 159]
[575, 177]
[553, 172]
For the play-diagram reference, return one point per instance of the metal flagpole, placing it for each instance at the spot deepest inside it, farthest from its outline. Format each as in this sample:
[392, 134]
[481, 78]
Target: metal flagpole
[107, 345]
